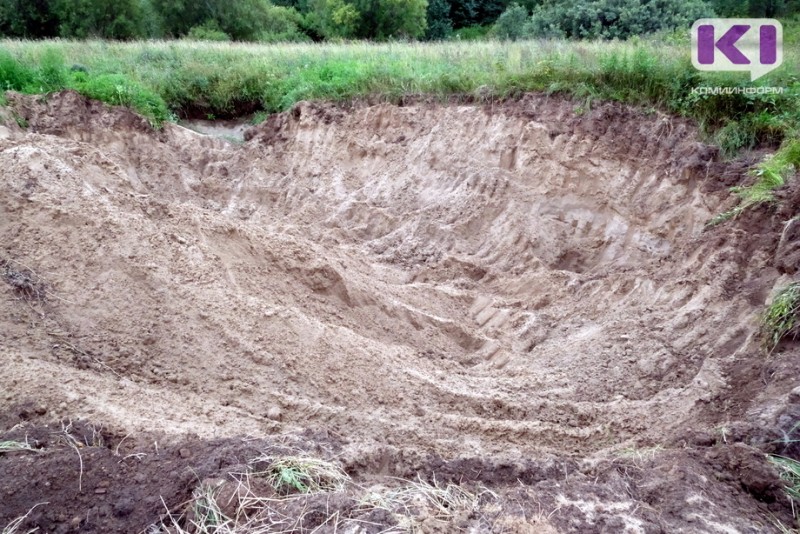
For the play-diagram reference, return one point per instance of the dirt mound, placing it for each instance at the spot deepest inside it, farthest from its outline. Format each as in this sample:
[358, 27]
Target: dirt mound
[493, 294]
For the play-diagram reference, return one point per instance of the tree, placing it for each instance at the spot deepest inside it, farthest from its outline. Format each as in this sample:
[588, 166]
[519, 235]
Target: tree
[388, 19]
[28, 18]
[439, 24]
[463, 13]
[121, 19]
[511, 24]
[401, 18]
[335, 18]
[614, 19]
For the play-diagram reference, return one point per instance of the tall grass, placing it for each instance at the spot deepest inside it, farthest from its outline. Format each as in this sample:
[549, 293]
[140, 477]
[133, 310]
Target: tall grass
[770, 174]
[223, 79]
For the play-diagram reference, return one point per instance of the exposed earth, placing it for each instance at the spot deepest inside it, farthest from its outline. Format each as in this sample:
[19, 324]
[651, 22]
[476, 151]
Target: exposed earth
[513, 297]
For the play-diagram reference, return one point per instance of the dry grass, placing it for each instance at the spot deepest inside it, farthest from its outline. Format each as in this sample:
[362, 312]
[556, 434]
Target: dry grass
[15, 526]
[301, 474]
[239, 505]
[15, 446]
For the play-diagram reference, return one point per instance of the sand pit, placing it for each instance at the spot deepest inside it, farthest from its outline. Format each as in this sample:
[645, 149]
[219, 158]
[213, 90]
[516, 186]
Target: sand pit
[512, 295]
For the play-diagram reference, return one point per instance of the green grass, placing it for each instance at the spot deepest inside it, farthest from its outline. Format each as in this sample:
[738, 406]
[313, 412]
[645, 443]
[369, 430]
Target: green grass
[780, 318]
[159, 78]
[789, 471]
[770, 174]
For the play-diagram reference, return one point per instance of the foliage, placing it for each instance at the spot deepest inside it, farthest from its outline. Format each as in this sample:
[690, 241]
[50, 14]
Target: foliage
[335, 18]
[28, 18]
[391, 19]
[117, 90]
[471, 33]
[614, 19]
[121, 19]
[511, 24]
[439, 24]
[208, 31]
[755, 8]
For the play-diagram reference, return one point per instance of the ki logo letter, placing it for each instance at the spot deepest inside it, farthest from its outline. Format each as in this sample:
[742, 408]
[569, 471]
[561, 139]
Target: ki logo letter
[752, 45]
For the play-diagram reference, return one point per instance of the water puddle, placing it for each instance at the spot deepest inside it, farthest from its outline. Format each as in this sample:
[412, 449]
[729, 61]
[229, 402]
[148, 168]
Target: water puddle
[230, 130]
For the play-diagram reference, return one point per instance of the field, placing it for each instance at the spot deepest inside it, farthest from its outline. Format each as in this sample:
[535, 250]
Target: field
[464, 287]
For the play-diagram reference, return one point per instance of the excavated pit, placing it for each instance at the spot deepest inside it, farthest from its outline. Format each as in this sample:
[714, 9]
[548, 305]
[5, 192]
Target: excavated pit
[506, 282]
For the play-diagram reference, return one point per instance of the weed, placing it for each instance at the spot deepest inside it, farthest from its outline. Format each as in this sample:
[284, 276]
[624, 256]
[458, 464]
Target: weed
[302, 474]
[780, 318]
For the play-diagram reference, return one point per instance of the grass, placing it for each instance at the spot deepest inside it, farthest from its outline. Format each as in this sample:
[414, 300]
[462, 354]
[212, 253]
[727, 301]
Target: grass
[789, 471]
[15, 446]
[302, 474]
[780, 318]
[770, 175]
[233, 507]
[161, 78]
[443, 502]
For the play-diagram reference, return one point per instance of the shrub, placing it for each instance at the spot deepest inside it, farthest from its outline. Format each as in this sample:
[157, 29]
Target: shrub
[439, 24]
[614, 19]
[118, 90]
[471, 33]
[209, 31]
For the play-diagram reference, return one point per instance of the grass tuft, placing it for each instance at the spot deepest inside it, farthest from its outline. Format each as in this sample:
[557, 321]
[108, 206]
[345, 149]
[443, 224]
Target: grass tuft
[302, 474]
[771, 174]
[780, 318]
[789, 471]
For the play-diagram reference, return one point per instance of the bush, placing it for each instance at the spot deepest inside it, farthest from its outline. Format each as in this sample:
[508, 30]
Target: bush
[121, 19]
[614, 19]
[439, 24]
[207, 32]
[512, 23]
[471, 33]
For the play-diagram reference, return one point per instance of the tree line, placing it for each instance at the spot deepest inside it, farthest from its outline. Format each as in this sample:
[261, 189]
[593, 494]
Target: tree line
[316, 20]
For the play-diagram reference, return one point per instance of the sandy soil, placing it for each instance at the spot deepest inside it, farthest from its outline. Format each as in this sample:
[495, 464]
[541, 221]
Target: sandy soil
[514, 295]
